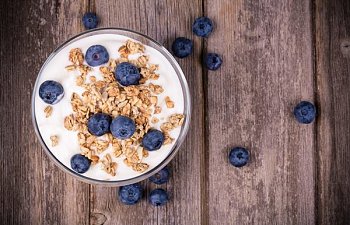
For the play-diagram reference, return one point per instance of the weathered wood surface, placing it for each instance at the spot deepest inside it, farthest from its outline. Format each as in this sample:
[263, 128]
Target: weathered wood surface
[267, 49]
[276, 53]
[332, 42]
[33, 189]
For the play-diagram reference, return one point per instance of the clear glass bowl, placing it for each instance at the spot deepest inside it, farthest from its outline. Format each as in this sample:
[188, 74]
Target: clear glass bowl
[186, 96]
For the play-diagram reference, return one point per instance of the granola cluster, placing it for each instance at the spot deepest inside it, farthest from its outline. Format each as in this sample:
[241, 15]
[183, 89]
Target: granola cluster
[140, 103]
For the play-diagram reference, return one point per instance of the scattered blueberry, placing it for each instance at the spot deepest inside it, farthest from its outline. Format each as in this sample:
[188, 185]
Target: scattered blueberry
[161, 177]
[305, 112]
[238, 156]
[212, 61]
[127, 74]
[98, 124]
[96, 55]
[182, 47]
[90, 20]
[130, 194]
[153, 140]
[122, 127]
[202, 26]
[158, 197]
[51, 92]
[80, 163]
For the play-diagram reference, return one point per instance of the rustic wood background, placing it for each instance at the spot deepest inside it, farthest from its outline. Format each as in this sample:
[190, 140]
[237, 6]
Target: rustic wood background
[275, 52]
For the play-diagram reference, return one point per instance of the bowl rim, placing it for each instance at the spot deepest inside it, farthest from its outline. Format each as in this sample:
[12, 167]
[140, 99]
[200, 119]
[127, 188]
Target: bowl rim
[187, 108]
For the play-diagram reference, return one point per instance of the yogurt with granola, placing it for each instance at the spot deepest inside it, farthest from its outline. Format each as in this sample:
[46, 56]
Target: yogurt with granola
[108, 107]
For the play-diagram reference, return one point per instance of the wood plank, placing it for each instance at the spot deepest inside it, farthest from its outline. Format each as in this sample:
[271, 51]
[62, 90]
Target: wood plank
[158, 20]
[34, 190]
[267, 69]
[333, 139]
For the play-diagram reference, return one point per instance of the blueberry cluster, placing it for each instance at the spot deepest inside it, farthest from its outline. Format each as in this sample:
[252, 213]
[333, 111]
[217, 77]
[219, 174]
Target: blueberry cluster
[133, 193]
[183, 47]
[304, 112]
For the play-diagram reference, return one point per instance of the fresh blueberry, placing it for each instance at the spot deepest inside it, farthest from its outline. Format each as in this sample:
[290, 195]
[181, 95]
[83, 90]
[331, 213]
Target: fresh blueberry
[161, 177]
[127, 74]
[96, 55]
[51, 92]
[80, 163]
[238, 156]
[122, 127]
[98, 124]
[90, 20]
[153, 140]
[158, 197]
[305, 112]
[130, 194]
[182, 47]
[202, 26]
[212, 61]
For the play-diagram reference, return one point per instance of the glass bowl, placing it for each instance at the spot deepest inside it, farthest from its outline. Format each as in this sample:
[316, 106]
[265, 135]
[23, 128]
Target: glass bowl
[186, 97]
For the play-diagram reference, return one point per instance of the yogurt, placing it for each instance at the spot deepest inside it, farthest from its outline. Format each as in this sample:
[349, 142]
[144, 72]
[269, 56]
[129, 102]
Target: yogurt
[68, 142]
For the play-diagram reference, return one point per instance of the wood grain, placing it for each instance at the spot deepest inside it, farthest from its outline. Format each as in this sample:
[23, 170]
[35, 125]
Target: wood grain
[33, 190]
[267, 69]
[333, 139]
[276, 53]
[156, 19]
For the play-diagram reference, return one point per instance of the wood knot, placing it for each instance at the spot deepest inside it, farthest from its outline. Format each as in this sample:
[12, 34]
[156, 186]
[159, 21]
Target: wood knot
[345, 47]
[97, 218]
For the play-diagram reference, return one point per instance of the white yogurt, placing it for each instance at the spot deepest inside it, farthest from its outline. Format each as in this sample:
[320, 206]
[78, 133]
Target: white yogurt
[68, 141]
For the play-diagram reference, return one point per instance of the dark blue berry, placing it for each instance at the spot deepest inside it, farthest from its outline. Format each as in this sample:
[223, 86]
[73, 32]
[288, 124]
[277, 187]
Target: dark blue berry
[238, 156]
[158, 197]
[202, 26]
[80, 163]
[96, 55]
[153, 140]
[182, 47]
[305, 112]
[98, 124]
[127, 74]
[122, 127]
[51, 92]
[130, 194]
[90, 20]
[161, 177]
[212, 61]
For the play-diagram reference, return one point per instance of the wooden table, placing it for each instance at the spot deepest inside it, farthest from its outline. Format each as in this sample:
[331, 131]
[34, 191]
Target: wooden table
[276, 53]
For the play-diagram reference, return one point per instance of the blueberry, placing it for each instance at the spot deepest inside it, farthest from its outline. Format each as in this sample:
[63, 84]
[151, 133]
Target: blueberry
[202, 26]
[127, 74]
[51, 92]
[98, 124]
[158, 197]
[161, 177]
[212, 61]
[130, 194]
[96, 55]
[153, 140]
[305, 112]
[182, 47]
[90, 20]
[238, 156]
[80, 163]
[122, 127]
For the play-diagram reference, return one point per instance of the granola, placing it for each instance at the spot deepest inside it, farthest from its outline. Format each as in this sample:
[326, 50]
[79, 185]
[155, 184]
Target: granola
[107, 96]
[48, 111]
[169, 103]
[54, 140]
[108, 165]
